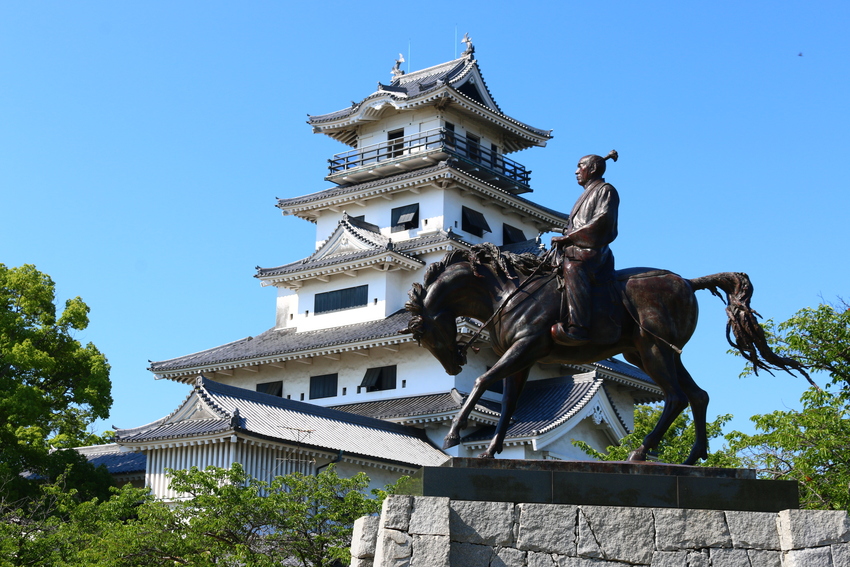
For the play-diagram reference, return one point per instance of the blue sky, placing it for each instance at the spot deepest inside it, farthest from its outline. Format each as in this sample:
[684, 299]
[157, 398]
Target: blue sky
[142, 146]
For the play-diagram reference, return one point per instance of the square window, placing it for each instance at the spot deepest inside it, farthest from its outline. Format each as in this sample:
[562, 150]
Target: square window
[323, 386]
[271, 388]
[512, 235]
[474, 222]
[405, 218]
[377, 379]
[340, 299]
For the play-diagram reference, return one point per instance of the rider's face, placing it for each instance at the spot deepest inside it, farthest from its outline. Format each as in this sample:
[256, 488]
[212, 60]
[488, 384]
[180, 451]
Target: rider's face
[583, 173]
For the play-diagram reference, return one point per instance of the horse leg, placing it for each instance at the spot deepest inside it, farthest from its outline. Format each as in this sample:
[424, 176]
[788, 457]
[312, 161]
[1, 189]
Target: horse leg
[699, 404]
[513, 388]
[515, 359]
[660, 363]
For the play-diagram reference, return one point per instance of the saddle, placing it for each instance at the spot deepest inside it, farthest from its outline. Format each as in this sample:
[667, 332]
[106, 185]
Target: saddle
[611, 304]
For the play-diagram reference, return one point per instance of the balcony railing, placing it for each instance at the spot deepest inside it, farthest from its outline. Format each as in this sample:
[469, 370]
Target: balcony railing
[437, 140]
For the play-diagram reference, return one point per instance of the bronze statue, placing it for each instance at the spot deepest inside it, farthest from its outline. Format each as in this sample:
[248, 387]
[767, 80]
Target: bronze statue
[586, 260]
[654, 316]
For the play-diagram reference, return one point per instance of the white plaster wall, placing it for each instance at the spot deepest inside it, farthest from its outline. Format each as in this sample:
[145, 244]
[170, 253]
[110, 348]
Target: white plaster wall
[287, 304]
[496, 216]
[584, 430]
[307, 320]
[463, 124]
[378, 211]
[417, 373]
[624, 402]
[378, 478]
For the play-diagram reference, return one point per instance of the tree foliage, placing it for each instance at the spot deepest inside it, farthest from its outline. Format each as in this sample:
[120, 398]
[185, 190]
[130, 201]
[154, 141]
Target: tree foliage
[230, 518]
[51, 386]
[225, 518]
[676, 444]
[819, 338]
[811, 446]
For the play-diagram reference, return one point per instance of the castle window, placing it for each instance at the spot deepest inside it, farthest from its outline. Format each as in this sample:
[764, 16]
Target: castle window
[395, 143]
[323, 386]
[405, 218]
[339, 299]
[512, 235]
[474, 222]
[450, 134]
[377, 379]
[271, 388]
[473, 147]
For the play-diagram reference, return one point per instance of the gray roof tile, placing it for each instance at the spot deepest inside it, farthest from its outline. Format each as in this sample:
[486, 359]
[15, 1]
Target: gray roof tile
[293, 422]
[416, 406]
[284, 341]
[543, 405]
[115, 460]
[377, 242]
[444, 165]
[421, 83]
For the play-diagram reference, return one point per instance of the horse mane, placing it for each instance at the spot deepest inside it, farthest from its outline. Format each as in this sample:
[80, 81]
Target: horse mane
[506, 264]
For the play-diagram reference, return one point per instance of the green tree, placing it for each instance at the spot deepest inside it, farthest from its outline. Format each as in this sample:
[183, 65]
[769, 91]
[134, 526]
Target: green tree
[676, 444]
[811, 446]
[819, 338]
[230, 518]
[51, 387]
[55, 527]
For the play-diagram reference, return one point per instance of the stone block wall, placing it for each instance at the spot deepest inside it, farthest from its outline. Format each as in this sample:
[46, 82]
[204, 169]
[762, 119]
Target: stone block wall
[422, 531]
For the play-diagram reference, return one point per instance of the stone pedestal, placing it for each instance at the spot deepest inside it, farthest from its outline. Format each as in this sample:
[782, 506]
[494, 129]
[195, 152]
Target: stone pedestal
[426, 531]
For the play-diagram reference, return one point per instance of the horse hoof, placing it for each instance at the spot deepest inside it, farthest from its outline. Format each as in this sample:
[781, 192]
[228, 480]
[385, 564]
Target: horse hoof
[637, 457]
[451, 441]
[486, 455]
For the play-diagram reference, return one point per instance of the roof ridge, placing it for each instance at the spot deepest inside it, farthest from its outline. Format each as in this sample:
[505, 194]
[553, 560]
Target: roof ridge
[429, 71]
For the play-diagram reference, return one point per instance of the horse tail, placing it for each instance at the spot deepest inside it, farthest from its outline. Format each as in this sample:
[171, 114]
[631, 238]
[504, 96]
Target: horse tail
[750, 339]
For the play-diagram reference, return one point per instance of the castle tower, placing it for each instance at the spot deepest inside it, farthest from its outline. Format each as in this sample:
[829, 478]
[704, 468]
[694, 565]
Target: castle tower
[427, 172]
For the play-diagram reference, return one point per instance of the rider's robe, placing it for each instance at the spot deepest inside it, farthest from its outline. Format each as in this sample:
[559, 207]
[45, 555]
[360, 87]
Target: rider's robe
[588, 260]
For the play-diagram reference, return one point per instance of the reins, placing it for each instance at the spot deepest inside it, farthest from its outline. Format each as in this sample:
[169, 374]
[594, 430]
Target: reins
[463, 347]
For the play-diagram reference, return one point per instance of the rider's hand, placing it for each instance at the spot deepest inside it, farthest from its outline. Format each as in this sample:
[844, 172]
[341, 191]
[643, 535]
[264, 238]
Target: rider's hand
[556, 240]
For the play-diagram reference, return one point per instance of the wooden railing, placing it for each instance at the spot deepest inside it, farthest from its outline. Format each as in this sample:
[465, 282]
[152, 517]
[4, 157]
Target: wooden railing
[437, 139]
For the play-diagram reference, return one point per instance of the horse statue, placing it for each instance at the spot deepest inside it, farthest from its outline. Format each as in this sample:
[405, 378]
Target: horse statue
[517, 298]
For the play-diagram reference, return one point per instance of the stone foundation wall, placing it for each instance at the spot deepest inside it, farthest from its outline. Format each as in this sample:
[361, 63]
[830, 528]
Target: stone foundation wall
[421, 531]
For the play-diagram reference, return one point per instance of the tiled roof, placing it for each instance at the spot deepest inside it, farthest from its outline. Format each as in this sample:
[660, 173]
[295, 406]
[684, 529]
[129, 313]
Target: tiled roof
[403, 247]
[424, 84]
[290, 421]
[371, 244]
[417, 406]
[115, 460]
[445, 166]
[624, 368]
[283, 341]
[411, 85]
[531, 246]
[544, 405]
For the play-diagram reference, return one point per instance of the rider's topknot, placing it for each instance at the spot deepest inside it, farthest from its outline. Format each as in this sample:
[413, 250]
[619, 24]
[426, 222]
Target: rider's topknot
[599, 161]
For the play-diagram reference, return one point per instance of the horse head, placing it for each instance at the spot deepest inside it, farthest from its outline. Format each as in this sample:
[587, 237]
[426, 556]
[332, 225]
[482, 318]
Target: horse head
[437, 332]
